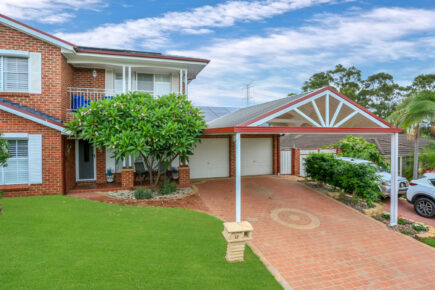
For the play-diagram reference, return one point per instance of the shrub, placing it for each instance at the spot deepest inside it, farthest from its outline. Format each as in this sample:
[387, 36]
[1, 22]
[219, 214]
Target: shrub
[167, 187]
[143, 193]
[401, 221]
[419, 227]
[357, 179]
[386, 216]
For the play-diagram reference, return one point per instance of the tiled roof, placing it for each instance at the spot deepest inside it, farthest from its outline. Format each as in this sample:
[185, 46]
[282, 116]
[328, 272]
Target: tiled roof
[31, 110]
[212, 113]
[382, 141]
[243, 115]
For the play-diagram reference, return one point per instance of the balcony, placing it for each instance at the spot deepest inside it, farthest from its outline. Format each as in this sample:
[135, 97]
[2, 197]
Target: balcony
[82, 97]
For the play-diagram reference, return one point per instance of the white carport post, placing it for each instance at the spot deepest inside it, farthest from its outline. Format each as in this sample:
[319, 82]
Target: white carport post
[394, 179]
[238, 179]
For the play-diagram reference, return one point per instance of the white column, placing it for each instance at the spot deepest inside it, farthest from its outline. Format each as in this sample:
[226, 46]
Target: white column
[129, 78]
[185, 82]
[394, 179]
[180, 82]
[123, 80]
[238, 179]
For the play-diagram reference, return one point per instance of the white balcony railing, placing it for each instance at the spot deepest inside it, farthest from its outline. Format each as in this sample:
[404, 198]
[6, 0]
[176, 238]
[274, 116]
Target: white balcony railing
[82, 97]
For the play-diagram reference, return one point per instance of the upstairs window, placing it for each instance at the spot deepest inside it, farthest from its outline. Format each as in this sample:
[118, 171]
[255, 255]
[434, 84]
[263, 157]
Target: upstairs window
[14, 74]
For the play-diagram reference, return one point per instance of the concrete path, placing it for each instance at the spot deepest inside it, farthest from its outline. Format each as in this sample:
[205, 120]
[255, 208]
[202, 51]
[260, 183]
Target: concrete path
[315, 242]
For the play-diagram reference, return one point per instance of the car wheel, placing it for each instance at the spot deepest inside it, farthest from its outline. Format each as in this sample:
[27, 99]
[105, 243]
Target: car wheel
[425, 207]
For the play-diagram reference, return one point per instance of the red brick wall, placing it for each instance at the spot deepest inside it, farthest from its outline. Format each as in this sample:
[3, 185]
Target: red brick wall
[67, 81]
[52, 158]
[83, 78]
[127, 177]
[70, 163]
[50, 100]
[276, 154]
[101, 165]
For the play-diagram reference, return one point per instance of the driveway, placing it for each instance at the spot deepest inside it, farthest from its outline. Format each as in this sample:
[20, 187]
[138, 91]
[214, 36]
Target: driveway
[316, 242]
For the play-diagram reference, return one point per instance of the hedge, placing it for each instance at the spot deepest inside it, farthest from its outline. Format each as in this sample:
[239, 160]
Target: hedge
[360, 180]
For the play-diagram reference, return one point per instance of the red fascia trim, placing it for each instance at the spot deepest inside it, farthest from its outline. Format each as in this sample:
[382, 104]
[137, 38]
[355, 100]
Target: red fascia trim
[37, 30]
[33, 115]
[143, 55]
[278, 130]
[309, 96]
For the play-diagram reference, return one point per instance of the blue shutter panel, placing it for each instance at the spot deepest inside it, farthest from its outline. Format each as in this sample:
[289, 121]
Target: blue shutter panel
[35, 159]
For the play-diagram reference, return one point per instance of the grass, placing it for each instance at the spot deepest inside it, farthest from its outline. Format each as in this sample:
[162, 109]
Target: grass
[429, 241]
[54, 242]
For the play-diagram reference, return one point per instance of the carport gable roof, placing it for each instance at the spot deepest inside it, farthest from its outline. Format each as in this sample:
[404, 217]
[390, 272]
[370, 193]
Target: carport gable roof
[323, 111]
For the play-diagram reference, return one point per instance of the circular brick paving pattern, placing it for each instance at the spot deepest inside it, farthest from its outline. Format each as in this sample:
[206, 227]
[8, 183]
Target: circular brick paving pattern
[295, 218]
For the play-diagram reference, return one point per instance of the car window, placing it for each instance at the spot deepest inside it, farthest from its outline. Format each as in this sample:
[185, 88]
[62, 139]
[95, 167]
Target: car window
[432, 181]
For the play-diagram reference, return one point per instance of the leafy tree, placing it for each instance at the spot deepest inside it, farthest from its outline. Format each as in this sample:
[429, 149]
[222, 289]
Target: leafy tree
[378, 92]
[415, 111]
[158, 129]
[423, 82]
[4, 155]
[427, 157]
[358, 147]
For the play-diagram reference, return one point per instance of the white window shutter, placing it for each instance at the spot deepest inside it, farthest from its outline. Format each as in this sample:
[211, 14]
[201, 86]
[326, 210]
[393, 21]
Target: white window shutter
[35, 159]
[35, 73]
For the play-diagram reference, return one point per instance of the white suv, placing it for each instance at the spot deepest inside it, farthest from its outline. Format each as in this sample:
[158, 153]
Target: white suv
[421, 193]
[383, 175]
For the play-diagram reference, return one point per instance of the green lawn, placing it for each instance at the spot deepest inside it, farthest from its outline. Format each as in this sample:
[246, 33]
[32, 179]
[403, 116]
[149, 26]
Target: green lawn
[64, 242]
[429, 241]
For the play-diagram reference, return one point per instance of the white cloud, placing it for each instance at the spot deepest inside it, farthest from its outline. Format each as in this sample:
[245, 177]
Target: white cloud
[47, 11]
[153, 32]
[288, 56]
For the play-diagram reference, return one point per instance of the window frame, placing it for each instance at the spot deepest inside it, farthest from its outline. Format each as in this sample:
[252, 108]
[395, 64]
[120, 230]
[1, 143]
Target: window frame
[16, 54]
[134, 81]
[2, 168]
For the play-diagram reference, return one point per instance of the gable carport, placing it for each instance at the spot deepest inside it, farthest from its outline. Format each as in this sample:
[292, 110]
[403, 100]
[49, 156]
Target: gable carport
[324, 111]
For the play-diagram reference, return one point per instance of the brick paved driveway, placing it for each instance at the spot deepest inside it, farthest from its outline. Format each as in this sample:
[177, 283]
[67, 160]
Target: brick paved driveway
[316, 242]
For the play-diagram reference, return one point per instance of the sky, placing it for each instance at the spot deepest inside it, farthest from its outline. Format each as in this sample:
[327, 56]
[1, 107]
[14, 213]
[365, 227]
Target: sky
[272, 45]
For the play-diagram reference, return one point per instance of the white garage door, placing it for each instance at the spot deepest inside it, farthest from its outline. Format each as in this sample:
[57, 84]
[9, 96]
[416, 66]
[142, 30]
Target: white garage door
[256, 156]
[210, 159]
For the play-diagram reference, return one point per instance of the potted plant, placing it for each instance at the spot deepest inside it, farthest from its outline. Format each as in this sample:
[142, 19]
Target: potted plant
[110, 177]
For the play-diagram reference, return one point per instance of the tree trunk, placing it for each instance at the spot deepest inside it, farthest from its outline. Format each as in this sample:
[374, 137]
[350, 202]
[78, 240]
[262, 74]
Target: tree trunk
[415, 167]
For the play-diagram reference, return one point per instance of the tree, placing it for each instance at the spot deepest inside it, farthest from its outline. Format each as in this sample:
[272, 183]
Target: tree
[415, 111]
[427, 157]
[423, 82]
[159, 129]
[378, 93]
[358, 147]
[4, 155]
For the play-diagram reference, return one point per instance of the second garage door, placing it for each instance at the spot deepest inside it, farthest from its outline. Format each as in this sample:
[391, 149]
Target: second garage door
[256, 156]
[210, 159]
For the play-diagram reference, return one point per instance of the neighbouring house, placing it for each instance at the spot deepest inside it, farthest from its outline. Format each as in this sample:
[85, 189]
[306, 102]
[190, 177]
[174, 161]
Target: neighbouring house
[297, 146]
[44, 79]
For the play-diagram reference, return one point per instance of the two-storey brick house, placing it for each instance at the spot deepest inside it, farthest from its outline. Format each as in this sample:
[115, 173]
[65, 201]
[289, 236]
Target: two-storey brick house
[43, 79]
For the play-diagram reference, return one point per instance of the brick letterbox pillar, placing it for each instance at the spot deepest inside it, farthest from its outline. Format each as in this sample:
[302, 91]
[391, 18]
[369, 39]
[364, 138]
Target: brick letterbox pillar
[127, 177]
[184, 176]
[237, 235]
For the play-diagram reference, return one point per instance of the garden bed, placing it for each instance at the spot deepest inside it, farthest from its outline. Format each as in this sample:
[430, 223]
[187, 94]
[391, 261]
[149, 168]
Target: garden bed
[129, 194]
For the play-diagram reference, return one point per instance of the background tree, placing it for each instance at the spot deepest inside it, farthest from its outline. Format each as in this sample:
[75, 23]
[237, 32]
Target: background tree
[358, 147]
[378, 93]
[415, 111]
[159, 129]
[423, 82]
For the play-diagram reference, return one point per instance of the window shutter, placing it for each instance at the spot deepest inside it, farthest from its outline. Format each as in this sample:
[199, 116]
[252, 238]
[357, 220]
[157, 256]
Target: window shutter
[1, 74]
[35, 159]
[35, 72]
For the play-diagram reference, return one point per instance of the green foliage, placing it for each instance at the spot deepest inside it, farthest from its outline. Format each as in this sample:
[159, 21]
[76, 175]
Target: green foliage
[159, 129]
[386, 216]
[143, 193]
[358, 147]
[357, 179]
[378, 92]
[419, 227]
[427, 157]
[4, 154]
[401, 221]
[168, 187]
